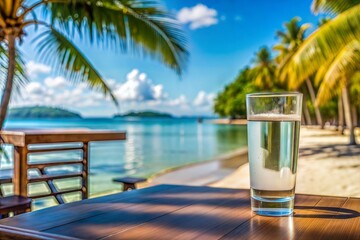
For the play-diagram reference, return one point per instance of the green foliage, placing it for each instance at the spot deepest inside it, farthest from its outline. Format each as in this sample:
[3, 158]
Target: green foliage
[332, 6]
[231, 102]
[329, 110]
[41, 112]
[69, 60]
[263, 73]
[323, 44]
[20, 78]
[139, 26]
[334, 73]
[330, 57]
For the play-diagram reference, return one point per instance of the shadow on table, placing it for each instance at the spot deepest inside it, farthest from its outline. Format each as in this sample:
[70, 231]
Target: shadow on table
[326, 212]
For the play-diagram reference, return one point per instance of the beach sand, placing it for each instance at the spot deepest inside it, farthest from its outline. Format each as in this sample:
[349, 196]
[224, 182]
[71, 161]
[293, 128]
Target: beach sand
[326, 166]
[204, 173]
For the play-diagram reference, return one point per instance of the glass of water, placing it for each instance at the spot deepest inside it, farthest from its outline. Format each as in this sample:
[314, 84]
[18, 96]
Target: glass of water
[273, 144]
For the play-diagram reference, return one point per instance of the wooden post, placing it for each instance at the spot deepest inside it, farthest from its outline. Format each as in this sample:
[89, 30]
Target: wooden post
[20, 171]
[85, 171]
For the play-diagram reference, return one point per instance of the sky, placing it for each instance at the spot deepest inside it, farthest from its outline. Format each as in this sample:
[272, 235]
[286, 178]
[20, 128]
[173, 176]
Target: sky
[223, 37]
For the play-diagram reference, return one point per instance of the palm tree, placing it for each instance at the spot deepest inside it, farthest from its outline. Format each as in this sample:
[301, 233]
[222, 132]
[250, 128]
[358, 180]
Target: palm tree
[291, 39]
[263, 72]
[139, 26]
[327, 46]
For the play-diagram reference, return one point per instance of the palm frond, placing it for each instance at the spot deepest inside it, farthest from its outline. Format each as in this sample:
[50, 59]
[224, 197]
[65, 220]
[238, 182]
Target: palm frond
[20, 78]
[303, 28]
[331, 6]
[323, 44]
[321, 72]
[344, 65]
[139, 26]
[57, 50]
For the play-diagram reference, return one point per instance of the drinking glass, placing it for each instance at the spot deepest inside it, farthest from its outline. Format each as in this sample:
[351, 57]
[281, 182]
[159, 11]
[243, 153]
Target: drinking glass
[273, 125]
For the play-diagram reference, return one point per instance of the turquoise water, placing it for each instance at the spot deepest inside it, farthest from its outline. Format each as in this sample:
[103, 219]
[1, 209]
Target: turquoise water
[152, 145]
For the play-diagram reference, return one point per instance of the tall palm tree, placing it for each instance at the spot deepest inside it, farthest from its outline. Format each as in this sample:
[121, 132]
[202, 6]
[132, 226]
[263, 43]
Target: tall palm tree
[291, 39]
[327, 46]
[138, 26]
[263, 72]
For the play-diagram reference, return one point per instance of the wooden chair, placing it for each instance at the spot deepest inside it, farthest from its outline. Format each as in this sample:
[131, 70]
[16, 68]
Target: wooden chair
[129, 182]
[11, 204]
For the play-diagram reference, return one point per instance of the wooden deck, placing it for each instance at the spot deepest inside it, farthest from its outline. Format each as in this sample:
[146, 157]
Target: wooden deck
[185, 212]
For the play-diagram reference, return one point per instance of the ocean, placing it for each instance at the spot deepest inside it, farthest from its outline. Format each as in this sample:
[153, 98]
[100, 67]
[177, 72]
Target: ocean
[152, 145]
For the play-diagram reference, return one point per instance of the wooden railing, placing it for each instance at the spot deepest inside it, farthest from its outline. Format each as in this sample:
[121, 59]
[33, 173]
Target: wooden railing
[28, 143]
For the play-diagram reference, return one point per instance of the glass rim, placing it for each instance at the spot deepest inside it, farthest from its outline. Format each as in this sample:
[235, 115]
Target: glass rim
[274, 94]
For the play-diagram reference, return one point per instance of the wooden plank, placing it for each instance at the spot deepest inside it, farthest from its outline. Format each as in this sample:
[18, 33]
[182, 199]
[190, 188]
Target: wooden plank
[55, 193]
[12, 233]
[260, 227]
[45, 178]
[211, 219]
[156, 207]
[184, 212]
[43, 165]
[25, 137]
[314, 220]
[342, 222]
[71, 136]
[13, 137]
[48, 150]
[66, 213]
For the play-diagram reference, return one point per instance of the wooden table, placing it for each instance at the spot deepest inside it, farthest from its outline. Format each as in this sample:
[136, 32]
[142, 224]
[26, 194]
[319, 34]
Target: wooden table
[24, 142]
[185, 212]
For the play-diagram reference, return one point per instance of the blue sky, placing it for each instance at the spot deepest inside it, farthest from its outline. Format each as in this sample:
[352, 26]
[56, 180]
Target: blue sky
[223, 37]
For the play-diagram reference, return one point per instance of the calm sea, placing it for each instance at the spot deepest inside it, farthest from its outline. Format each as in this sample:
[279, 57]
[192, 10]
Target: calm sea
[152, 145]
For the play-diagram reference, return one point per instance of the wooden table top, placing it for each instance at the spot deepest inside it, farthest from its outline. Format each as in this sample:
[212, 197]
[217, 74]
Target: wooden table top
[22, 138]
[185, 212]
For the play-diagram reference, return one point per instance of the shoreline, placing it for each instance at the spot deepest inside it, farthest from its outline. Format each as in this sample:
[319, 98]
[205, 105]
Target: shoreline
[201, 173]
[327, 166]
[226, 121]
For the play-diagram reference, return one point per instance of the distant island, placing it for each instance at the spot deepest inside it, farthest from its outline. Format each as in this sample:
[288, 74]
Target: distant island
[145, 114]
[41, 112]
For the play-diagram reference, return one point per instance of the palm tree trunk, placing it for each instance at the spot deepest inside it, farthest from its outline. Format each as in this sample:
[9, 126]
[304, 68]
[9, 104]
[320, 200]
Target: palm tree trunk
[354, 115]
[340, 116]
[307, 117]
[303, 118]
[313, 98]
[348, 115]
[5, 99]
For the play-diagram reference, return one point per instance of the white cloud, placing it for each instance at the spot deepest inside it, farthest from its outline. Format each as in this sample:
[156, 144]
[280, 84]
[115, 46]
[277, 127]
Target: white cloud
[34, 68]
[58, 92]
[56, 82]
[203, 99]
[137, 93]
[198, 16]
[181, 101]
[138, 87]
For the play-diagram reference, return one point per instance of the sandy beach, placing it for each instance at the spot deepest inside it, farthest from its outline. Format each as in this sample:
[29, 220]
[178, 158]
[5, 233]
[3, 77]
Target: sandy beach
[327, 166]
